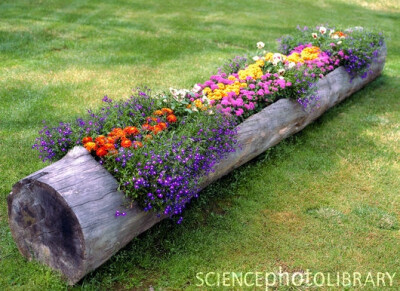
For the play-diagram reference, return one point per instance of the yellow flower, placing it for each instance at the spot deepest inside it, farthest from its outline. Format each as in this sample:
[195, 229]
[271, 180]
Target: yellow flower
[260, 63]
[207, 90]
[295, 58]
[310, 53]
[198, 103]
[217, 95]
[268, 57]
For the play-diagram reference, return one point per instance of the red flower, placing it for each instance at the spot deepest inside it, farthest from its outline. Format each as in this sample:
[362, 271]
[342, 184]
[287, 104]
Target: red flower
[100, 140]
[158, 113]
[171, 118]
[109, 146]
[90, 146]
[117, 133]
[131, 130]
[126, 143]
[87, 139]
[147, 126]
[157, 128]
[101, 152]
[168, 111]
[163, 125]
[111, 140]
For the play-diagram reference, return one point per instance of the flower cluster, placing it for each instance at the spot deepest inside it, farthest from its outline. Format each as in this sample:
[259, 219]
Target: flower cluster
[355, 49]
[166, 175]
[130, 136]
[156, 148]
[270, 77]
[54, 142]
[159, 149]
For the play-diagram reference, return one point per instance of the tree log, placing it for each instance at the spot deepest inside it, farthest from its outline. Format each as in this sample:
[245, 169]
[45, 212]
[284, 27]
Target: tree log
[63, 215]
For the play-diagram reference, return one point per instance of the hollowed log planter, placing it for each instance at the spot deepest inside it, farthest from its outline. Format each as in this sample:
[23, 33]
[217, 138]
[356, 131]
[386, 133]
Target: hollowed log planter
[63, 215]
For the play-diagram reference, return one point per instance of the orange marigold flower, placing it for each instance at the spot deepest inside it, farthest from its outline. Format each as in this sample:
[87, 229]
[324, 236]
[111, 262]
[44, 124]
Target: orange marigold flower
[147, 126]
[171, 118]
[111, 139]
[338, 34]
[101, 152]
[109, 146]
[87, 139]
[163, 125]
[158, 113]
[90, 146]
[100, 140]
[168, 111]
[131, 130]
[137, 144]
[148, 137]
[117, 132]
[126, 143]
[157, 128]
[150, 119]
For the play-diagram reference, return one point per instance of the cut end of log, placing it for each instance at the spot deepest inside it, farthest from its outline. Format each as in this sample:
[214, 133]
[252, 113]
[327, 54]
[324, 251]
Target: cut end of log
[44, 227]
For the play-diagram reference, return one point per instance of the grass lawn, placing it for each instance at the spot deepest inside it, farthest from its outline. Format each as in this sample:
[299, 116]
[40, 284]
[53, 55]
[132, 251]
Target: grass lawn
[327, 199]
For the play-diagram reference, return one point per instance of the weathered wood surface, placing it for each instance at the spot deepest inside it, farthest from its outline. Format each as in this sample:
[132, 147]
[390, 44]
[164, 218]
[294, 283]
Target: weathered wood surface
[286, 117]
[63, 215]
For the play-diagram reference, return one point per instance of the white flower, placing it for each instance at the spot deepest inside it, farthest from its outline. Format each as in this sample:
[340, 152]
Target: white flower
[195, 109]
[182, 92]
[281, 72]
[196, 88]
[210, 112]
[264, 52]
[314, 35]
[276, 58]
[335, 36]
[339, 42]
[331, 32]
[179, 95]
[165, 100]
[256, 58]
[205, 100]
[173, 91]
[282, 78]
[260, 45]
[291, 65]
[322, 30]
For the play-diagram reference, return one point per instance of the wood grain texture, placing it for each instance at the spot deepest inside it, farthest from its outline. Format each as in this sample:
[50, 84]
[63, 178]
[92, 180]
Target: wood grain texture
[63, 215]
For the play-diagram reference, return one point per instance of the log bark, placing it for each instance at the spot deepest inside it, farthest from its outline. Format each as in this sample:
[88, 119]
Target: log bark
[63, 215]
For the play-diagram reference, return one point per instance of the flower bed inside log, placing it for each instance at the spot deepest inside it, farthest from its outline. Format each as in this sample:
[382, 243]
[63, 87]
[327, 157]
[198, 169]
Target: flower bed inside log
[72, 215]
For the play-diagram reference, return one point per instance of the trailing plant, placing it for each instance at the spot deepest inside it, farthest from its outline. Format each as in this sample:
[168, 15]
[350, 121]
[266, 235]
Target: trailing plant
[160, 146]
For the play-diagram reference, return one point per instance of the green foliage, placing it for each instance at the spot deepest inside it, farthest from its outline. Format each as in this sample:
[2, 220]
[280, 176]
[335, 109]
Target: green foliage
[58, 58]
